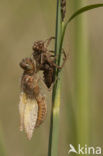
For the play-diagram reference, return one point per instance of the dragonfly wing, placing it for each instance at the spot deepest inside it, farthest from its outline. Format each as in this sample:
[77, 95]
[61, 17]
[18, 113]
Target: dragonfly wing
[30, 116]
[22, 105]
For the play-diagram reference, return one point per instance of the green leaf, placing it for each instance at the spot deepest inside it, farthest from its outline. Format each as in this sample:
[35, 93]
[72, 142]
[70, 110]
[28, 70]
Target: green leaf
[78, 12]
[84, 9]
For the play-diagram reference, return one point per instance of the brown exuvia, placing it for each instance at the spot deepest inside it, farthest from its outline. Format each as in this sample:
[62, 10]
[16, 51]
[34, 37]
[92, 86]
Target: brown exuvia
[45, 60]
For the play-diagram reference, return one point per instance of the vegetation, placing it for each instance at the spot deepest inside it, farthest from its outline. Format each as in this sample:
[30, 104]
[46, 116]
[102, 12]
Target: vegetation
[81, 81]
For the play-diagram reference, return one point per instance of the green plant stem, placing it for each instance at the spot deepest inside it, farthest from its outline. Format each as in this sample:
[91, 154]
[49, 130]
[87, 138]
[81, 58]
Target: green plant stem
[54, 125]
[81, 71]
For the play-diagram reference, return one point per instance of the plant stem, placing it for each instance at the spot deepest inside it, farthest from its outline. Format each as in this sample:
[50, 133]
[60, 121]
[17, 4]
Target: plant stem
[54, 125]
[81, 77]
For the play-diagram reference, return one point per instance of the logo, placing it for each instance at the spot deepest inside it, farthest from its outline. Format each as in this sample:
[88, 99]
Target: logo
[84, 149]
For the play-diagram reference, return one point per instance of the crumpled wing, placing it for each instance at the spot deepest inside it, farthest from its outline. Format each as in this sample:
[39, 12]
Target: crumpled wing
[22, 105]
[30, 116]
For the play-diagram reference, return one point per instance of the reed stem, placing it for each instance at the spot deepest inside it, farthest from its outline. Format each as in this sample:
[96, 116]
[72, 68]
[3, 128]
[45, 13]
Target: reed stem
[54, 125]
[81, 76]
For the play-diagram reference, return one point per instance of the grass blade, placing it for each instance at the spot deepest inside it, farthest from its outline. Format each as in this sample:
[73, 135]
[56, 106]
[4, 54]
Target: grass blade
[54, 125]
[81, 78]
[78, 12]
[84, 9]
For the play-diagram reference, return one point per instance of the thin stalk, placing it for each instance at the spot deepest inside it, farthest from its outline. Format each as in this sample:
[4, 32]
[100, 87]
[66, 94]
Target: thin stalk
[81, 76]
[54, 125]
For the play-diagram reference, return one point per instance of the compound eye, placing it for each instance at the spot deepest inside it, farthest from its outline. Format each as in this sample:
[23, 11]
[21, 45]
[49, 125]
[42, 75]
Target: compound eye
[28, 66]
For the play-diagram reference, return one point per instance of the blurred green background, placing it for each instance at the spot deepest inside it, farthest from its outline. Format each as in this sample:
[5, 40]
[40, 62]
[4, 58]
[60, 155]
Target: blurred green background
[22, 23]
